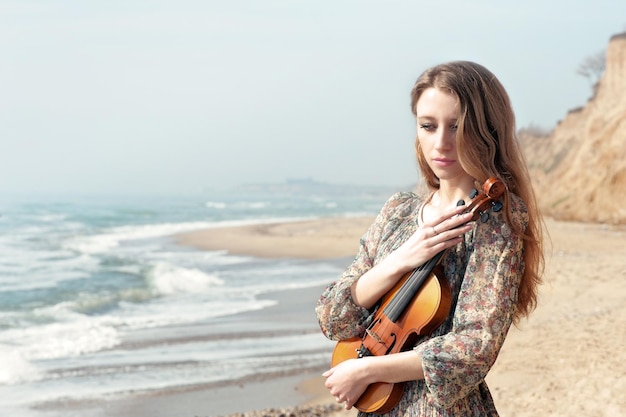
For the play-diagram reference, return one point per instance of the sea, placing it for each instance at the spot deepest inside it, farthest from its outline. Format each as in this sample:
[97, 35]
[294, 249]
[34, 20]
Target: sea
[98, 301]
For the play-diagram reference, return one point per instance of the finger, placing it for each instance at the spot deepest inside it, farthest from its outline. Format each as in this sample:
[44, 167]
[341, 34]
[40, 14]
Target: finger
[455, 213]
[349, 403]
[452, 222]
[453, 234]
[449, 238]
[456, 210]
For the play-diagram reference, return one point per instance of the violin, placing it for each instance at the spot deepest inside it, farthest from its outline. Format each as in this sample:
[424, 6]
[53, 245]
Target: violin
[418, 304]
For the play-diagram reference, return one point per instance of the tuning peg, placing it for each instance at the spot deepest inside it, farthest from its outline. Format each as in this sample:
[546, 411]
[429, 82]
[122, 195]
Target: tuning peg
[460, 203]
[484, 216]
[473, 193]
[496, 206]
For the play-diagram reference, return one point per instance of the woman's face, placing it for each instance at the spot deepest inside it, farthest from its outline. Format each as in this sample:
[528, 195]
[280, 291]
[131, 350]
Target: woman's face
[437, 116]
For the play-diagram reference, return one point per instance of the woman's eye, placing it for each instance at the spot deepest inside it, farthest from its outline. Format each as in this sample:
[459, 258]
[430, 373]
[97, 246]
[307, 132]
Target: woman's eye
[427, 127]
[454, 127]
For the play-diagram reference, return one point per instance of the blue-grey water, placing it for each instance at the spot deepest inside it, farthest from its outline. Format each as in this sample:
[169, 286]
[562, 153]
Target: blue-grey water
[95, 293]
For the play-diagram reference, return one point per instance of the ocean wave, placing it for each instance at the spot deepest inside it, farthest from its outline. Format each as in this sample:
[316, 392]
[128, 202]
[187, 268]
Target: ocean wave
[14, 369]
[73, 337]
[113, 237]
[257, 205]
[239, 205]
[166, 278]
[37, 274]
[218, 205]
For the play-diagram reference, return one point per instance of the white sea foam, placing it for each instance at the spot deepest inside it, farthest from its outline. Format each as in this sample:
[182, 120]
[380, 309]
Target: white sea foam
[216, 205]
[166, 278]
[20, 349]
[42, 268]
[51, 218]
[62, 339]
[60, 331]
[240, 205]
[257, 205]
[183, 311]
[112, 238]
[14, 368]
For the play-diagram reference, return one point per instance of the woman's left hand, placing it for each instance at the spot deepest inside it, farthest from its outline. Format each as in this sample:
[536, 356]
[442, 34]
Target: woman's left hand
[347, 381]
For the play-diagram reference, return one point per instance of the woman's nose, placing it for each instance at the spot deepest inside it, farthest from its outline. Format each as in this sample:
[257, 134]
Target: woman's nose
[445, 139]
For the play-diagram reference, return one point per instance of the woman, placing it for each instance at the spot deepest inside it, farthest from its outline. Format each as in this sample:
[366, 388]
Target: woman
[465, 135]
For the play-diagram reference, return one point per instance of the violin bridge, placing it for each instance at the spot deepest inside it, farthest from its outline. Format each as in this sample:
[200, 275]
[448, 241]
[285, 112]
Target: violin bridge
[375, 337]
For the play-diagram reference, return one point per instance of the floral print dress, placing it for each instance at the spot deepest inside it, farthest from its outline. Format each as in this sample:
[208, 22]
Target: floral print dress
[484, 273]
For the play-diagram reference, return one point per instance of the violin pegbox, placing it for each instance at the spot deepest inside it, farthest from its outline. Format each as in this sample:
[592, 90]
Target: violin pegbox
[492, 190]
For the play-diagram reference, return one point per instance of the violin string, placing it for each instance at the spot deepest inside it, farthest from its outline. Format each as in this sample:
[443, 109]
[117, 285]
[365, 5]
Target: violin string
[407, 292]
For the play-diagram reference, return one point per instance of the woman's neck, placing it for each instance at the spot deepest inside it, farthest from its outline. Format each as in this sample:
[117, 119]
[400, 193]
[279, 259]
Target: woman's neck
[444, 198]
[449, 194]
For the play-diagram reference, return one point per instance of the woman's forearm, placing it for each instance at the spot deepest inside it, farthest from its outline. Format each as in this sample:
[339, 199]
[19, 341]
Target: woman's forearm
[375, 283]
[394, 368]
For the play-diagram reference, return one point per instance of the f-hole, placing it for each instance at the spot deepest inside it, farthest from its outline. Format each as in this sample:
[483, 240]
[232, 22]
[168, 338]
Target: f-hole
[392, 344]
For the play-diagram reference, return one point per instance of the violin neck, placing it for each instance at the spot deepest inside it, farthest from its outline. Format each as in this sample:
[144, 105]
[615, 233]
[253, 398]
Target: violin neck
[401, 300]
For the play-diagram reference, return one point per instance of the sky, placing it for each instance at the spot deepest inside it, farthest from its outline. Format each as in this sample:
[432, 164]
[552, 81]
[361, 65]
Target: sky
[185, 96]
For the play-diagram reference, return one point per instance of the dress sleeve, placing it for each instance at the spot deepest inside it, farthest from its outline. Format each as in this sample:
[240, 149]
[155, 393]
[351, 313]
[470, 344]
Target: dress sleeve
[457, 362]
[340, 318]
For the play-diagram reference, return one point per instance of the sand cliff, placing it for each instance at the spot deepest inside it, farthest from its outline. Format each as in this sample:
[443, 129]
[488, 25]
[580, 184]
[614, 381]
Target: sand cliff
[579, 169]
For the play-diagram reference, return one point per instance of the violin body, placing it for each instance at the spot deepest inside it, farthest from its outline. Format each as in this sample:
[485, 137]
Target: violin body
[427, 310]
[418, 304]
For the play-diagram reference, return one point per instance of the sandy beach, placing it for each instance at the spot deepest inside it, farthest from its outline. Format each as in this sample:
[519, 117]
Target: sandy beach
[567, 359]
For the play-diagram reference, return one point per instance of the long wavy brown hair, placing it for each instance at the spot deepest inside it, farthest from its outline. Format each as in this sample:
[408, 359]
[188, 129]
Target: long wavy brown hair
[487, 146]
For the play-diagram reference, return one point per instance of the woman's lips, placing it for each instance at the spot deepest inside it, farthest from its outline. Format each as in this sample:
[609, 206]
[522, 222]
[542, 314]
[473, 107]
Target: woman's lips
[443, 162]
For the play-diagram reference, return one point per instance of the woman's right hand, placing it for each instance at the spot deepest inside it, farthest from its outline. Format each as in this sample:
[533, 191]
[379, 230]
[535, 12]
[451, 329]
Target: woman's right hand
[429, 239]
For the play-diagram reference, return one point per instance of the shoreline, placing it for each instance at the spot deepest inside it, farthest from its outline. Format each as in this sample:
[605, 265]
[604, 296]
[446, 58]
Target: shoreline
[320, 239]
